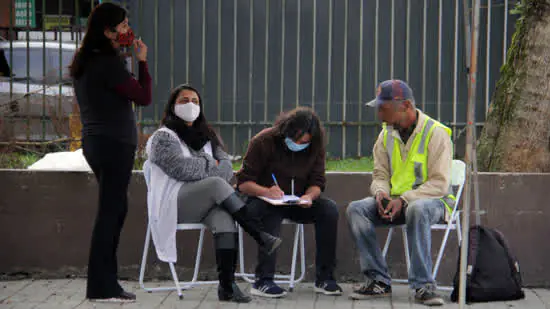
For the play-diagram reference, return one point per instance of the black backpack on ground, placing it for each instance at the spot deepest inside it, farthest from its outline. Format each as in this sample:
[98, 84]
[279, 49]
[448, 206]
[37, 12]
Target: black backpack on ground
[492, 271]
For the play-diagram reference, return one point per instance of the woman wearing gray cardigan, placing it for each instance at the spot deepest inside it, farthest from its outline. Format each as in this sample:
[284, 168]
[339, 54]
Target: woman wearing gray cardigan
[189, 151]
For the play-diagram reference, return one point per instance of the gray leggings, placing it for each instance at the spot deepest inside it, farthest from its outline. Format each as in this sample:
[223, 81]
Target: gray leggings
[198, 203]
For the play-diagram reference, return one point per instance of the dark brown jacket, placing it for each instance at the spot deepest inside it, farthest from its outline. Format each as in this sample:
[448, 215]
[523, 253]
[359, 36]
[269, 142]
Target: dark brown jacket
[267, 153]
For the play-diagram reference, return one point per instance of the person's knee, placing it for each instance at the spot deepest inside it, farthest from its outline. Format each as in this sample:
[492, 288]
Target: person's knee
[415, 212]
[330, 209]
[216, 182]
[358, 207]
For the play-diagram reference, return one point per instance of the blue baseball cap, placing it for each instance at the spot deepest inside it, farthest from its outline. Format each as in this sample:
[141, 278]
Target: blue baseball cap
[391, 90]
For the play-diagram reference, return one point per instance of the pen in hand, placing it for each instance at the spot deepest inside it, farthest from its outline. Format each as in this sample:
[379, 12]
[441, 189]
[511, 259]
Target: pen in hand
[275, 191]
[274, 179]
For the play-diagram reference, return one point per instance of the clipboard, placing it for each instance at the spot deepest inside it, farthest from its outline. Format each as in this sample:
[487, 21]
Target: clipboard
[285, 200]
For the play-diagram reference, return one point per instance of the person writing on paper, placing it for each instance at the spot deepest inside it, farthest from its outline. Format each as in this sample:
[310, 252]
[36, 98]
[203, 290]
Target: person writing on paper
[190, 152]
[289, 159]
[411, 185]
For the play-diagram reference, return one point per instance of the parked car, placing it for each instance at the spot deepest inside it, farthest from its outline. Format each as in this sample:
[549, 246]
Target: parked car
[35, 99]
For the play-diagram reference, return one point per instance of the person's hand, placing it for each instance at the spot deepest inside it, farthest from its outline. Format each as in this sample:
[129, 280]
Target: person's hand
[141, 50]
[308, 199]
[274, 192]
[394, 208]
[379, 197]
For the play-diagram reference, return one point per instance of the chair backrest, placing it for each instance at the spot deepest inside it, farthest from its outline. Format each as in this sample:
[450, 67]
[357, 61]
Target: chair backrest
[458, 173]
[458, 177]
[147, 173]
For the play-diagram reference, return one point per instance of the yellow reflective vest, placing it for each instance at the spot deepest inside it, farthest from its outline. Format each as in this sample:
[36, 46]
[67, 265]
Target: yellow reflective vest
[413, 171]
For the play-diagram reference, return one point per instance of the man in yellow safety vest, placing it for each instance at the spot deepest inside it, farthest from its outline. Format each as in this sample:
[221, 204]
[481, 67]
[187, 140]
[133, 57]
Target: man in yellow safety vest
[411, 182]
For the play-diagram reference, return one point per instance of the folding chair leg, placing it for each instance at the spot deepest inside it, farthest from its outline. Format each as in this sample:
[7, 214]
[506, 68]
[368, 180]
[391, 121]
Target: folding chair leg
[388, 241]
[458, 228]
[176, 280]
[198, 258]
[144, 258]
[440, 253]
[302, 255]
[406, 245]
[294, 256]
[246, 277]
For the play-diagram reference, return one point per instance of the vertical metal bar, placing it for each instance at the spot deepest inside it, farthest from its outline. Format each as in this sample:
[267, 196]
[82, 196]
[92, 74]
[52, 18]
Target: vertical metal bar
[345, 77]
[467, 33]
[139, 29]
[376, 28]
[470, 157]
[283, 35]
[392, 37]
[250, 66]
[234, 112]
[505, 38]
[266, 62]
[156, 48]
[455, 70]
[172, 39]
[44, 67]
[439, 50]
[203, 47]
[408, 42]
[299, 9]
[12, 9]
[219, 77]
[314, 54]
[424, 43]
[27, 97]
[360, 79]
[329, 82]
[488, 58]
[187, 40]
[60, 115]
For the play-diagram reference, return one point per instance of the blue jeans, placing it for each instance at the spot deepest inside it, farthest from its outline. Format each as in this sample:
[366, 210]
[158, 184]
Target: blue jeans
[363, 218]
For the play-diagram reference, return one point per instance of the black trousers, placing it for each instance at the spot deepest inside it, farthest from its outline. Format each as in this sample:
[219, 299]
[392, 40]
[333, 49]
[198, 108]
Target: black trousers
[323, 214]
[112, 162]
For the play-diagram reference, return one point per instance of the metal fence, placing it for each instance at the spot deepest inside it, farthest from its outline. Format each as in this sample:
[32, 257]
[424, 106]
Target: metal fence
[252, 59]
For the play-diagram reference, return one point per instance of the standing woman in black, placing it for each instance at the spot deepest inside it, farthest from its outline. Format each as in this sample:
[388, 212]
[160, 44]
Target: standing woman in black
[105, 90]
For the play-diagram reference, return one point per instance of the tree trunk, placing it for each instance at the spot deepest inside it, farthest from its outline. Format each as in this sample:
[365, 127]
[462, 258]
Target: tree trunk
[516, 135]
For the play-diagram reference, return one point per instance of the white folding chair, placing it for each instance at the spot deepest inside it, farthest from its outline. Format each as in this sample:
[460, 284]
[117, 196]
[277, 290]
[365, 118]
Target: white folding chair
[289, 279]
[458, 176]
[178, 285]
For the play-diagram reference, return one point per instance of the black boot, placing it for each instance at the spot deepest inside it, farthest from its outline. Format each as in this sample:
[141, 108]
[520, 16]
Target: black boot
[226, 258]
[252, 225]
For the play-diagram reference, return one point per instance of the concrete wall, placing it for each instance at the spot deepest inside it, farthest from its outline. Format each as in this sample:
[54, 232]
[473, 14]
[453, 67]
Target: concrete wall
[46, 220]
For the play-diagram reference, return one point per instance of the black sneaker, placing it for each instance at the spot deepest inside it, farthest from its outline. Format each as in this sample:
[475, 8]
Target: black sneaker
[427, 296]
[328, 287]
[371, 289]
[267, 288]
[124, 297]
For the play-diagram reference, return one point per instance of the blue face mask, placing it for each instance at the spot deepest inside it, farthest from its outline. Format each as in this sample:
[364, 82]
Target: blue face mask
[295, 147]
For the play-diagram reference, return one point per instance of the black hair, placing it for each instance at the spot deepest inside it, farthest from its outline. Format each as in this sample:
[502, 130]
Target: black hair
[105, 16]
[299, 121]
[200, 123]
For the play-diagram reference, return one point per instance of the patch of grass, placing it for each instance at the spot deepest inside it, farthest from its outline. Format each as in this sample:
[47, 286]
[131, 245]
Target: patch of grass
[23, 160]
[363, 164]
[17, 160]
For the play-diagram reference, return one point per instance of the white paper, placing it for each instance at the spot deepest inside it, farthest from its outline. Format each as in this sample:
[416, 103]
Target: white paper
[284, 200]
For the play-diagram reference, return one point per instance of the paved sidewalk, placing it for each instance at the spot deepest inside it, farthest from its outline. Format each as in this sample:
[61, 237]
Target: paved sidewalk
[65, 294]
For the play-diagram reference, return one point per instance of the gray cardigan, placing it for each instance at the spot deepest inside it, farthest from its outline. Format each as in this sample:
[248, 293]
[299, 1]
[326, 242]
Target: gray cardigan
[167, 154]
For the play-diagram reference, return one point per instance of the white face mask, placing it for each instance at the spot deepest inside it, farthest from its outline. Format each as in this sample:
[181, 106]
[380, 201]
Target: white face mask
[188, 111]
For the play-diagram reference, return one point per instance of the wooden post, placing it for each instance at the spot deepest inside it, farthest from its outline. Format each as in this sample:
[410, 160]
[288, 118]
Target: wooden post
[470, 152]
